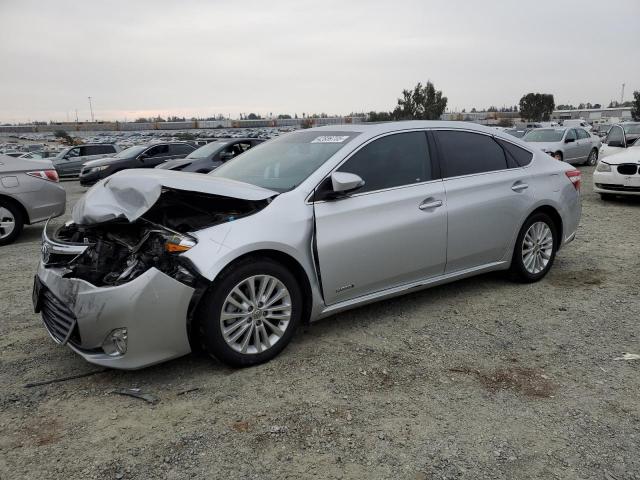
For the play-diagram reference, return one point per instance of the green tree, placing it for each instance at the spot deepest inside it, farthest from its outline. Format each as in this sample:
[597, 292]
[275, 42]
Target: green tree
[421, 103]
[379, 117]
[536, 106]
[635, 107]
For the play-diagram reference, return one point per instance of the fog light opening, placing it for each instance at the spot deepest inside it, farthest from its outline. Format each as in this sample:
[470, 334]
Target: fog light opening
[116, 342]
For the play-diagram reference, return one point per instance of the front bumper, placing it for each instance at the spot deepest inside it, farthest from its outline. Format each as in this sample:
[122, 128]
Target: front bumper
[153, 308]
[88, 178]
[615, 183]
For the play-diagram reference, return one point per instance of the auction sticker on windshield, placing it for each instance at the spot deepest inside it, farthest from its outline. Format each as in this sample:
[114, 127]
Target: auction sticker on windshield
[330, 139]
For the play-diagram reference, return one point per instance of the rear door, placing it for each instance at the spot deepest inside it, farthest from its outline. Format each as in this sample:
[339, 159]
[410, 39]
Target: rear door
[390, 232]
[73, 161]
[584, 143]
[487, 197]
[571, 147]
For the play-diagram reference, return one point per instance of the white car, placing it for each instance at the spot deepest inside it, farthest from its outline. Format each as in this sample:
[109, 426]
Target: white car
[619, 174]
[619, 137]
[577, 122]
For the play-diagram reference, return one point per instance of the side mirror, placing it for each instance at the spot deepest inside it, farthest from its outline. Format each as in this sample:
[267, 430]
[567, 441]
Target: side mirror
[569, 140]
[142, 157]
[343, 182]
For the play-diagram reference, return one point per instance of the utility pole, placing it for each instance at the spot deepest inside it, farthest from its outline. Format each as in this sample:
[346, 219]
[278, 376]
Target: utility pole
[76, 115]
[91, 109]
[622, 94]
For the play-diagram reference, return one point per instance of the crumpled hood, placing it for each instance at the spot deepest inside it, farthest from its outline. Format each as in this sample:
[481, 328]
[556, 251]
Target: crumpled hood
[130, 193]
[628, 155]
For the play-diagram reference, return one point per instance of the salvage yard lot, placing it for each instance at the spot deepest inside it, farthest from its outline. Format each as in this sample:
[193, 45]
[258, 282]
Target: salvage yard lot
[481, 378]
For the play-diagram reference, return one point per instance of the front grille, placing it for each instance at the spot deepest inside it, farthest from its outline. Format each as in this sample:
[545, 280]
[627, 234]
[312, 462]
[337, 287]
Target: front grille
[627, 169]
[59, 320]
[617, 188]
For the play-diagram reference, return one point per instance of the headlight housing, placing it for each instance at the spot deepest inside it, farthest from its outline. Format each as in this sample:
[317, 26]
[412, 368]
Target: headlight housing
[98, 169]
[603, 167]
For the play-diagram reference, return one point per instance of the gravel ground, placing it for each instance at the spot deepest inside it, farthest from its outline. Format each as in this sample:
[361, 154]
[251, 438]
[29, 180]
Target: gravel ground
[477, 379]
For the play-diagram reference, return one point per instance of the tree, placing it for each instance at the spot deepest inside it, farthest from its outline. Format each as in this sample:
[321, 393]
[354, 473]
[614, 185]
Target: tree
[421, 103]
[253, 116]
[536, 106]
[379, 117]
[284, 117]
[63, 136]
[635, 106]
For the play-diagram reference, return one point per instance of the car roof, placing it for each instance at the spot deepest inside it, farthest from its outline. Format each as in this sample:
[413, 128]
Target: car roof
[385, 127]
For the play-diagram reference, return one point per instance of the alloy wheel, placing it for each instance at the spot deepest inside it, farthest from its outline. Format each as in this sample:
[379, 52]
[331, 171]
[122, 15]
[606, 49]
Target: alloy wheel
[255, 314]
[7, 222]
[593, 158]
[537, 246]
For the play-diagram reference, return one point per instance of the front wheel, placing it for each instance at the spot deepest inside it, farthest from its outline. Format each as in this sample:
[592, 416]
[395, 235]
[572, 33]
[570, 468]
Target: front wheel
[535, 249]
[592, 159]
[250, 316]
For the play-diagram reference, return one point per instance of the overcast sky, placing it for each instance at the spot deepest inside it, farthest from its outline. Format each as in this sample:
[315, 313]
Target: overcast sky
[201, 58]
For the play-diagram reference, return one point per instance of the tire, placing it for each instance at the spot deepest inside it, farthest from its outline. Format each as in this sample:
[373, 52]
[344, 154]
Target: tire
[537, 228]
[11, 222]
[249, 349]
[607, 196]
[592, 159]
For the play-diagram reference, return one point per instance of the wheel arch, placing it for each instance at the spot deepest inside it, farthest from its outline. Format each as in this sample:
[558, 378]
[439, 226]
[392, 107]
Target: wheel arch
[278, 256]
[555, 216]
[19, 206]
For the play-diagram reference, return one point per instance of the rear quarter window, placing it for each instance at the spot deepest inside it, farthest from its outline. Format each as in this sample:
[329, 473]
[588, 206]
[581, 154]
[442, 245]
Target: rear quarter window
[519, 155]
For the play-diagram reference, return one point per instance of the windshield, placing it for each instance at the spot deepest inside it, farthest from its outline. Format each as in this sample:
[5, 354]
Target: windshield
[206, 150]
[544, 135]
[131, 151]
[632, 129]
[283, 163]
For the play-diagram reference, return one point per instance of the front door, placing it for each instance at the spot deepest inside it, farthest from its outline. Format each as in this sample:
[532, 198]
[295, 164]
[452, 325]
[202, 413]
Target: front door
[392, 231]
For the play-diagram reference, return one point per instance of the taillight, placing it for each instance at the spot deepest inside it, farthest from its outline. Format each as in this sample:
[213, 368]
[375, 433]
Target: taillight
[50, 175]
[574, 177]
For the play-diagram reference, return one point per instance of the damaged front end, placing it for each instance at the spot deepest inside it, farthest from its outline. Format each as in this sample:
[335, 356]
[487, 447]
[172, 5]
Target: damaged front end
[119, 250]
[113, 283]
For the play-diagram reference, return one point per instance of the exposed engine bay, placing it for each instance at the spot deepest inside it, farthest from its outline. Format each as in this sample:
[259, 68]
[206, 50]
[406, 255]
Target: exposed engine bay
[120, 251]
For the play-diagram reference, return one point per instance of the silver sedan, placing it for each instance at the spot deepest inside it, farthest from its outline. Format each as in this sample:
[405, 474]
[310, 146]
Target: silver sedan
[29, 193]
[572, 145]
[305, 226]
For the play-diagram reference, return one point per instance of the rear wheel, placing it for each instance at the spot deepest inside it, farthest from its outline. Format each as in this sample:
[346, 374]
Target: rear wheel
[535, 249]
[251, 314]
[592, 159]
[11, 222]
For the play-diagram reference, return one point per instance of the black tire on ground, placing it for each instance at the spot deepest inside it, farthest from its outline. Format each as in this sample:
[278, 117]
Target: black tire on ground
[209, 312]
[518, 272]
[592, 159]
[607, 196]
[18, 221]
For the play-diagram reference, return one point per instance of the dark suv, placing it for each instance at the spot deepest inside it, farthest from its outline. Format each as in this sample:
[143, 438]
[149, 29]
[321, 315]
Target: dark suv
[69, 161]
[140, 156]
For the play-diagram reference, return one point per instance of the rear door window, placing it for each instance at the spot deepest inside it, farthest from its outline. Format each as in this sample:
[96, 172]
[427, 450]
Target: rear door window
[467, 153]
[158, 151]
[582, 133]
[391, 161]
[180, 149]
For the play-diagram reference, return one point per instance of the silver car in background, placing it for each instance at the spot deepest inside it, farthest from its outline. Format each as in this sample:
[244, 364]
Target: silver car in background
[29, 193]
[304, 226]
[572, 145]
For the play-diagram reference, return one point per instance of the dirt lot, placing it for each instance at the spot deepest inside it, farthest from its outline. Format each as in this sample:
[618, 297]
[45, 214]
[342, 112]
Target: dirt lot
[478, 379]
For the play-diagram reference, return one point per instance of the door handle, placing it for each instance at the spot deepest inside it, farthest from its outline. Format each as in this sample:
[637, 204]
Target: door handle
[518, 187]
[430, 203]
